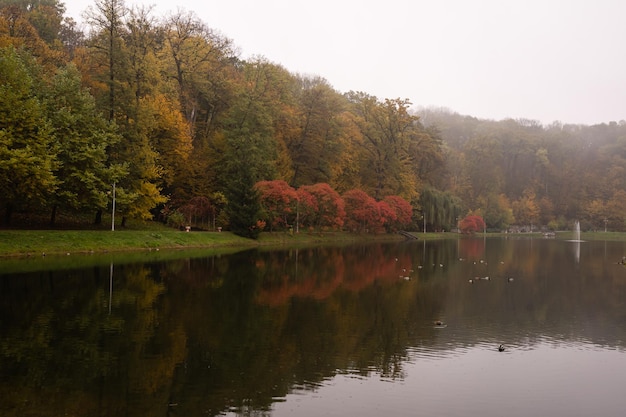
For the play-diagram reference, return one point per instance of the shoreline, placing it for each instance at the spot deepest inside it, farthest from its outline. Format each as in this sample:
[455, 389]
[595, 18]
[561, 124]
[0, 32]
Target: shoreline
[40, 243]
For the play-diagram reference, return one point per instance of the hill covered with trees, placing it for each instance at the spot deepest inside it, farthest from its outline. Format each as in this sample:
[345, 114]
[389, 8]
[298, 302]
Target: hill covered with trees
[189, 132]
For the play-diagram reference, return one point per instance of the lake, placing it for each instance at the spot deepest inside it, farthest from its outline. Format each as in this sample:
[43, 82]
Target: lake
[404, 329]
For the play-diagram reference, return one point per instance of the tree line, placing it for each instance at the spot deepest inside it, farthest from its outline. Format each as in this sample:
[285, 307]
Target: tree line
[167, 110]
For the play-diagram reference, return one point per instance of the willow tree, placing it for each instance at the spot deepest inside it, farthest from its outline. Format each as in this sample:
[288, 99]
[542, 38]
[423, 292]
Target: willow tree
[440, 209]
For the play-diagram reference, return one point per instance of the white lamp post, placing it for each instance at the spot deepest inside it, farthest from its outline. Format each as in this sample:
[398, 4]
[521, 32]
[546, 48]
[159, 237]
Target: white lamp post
[113, 210]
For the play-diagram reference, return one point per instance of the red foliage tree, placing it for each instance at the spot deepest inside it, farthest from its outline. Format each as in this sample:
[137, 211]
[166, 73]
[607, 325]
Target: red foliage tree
[472, 224]
[362, 212]
[403, 213]
[278, 202]
[321, 207]
[387, 215]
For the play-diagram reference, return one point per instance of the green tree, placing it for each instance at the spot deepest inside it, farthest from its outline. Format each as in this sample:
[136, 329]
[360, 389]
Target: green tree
[83, 138]
[497, 210]
[440, 209]
[244, 208]
[28, 155]
[251, 153]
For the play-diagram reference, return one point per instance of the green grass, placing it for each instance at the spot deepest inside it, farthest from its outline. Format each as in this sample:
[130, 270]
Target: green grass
[153, 236]
[62, 242]
[38, 242]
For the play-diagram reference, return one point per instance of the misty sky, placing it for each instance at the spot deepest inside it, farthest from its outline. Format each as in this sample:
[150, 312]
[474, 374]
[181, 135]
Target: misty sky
[545, 60]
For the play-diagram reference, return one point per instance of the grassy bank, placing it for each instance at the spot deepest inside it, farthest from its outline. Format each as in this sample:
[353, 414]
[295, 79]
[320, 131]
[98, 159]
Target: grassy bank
[38, 242]
[18, 243]
[49, 242]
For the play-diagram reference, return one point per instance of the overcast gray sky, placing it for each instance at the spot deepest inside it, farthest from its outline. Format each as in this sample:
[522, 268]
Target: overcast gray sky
[545, 60]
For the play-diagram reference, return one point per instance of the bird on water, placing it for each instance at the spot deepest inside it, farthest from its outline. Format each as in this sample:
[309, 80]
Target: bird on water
[501, 348]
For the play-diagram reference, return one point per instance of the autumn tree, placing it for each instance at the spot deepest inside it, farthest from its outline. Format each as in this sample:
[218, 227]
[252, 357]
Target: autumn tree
[316, 140]
[616, 210]
[278, 203]
[471, 224]
[120, 52]
[106, 18]
[387, 129]
[362, 212]
[482, 156]
[199, 60]
[34, 27]
[321, 207]
[402, 213]
[526, 210]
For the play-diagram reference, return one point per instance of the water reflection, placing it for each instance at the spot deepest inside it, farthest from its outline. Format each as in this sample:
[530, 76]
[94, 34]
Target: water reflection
[245, 333]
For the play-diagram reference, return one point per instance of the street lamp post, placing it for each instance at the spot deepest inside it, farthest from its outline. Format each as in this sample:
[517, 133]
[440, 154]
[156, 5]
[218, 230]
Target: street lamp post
[113, 210]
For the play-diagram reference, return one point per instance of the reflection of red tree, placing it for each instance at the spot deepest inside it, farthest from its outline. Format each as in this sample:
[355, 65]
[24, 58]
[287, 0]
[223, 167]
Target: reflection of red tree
[352, 272]
[471, 248]
[314, 286]
[376, 268]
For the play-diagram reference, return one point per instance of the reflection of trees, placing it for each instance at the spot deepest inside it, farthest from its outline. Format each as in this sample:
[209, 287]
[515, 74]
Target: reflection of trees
[286, 319]
[217, 333]
[67, 355]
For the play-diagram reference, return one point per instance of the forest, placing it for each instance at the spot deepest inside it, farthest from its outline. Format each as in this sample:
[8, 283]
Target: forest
[162, 115]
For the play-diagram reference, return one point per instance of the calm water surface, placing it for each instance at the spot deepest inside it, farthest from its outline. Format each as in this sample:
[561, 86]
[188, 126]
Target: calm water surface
[402, 329]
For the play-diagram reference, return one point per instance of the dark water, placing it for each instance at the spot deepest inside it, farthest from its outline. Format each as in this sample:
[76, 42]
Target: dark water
[322, 331]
